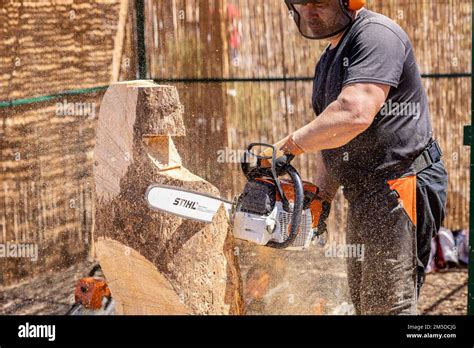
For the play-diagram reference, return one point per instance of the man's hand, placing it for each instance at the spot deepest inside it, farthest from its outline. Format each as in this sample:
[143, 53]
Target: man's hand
[285, 146]
[269, 152]
[319, 224]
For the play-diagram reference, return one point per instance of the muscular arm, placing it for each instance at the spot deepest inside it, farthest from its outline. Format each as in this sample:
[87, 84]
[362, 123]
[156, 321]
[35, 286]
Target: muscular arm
[344, 119]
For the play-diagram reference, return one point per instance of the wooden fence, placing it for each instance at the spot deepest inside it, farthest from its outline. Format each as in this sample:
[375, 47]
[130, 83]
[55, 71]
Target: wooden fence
[252, 51]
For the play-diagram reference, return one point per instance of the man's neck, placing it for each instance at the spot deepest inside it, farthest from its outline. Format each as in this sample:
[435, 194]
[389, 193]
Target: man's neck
[337, 38]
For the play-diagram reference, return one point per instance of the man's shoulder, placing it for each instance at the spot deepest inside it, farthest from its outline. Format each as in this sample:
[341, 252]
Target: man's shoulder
[373, 23]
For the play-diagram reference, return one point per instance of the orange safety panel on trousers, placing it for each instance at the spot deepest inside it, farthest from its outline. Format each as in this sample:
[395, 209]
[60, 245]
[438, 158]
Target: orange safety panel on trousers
[406, 188]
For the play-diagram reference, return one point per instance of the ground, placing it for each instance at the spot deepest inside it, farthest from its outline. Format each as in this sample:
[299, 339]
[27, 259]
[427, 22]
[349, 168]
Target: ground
[309, 282]
[306, 283]
[444, 293]
[51, 293]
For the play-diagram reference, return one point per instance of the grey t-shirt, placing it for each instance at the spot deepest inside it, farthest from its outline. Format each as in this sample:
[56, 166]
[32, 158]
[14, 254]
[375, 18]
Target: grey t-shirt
[375, 50]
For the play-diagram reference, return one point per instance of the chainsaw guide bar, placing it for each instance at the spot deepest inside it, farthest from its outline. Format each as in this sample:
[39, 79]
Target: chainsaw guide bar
[186, 203]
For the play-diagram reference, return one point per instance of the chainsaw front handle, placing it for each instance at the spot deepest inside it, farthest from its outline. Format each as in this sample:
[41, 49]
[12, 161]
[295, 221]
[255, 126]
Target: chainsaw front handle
[297, 209]
[259, 171]
[279, 167]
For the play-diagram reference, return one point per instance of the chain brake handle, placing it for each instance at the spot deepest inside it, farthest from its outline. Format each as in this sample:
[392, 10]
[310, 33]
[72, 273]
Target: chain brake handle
[260, 171]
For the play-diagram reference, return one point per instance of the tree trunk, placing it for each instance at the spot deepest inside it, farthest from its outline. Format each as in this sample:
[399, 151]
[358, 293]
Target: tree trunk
[134, 149]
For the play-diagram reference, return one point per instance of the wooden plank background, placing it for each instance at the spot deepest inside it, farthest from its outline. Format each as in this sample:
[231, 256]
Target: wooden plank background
[47, 47]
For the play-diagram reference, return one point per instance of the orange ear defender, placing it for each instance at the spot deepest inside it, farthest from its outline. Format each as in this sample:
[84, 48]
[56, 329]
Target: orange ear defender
[354, 5]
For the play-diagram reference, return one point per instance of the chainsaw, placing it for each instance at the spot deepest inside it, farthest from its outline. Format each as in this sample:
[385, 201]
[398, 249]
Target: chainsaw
[92, 296]
[283, 213]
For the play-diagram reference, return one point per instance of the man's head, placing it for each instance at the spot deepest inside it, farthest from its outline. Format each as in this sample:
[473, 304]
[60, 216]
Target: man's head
[320, 19]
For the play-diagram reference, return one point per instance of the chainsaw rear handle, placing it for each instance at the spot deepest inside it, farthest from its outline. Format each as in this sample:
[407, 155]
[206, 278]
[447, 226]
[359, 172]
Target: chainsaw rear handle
[297, 209]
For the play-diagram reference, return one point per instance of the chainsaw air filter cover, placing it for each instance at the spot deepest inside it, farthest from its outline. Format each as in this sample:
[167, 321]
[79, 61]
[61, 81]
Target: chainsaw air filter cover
[258, 198]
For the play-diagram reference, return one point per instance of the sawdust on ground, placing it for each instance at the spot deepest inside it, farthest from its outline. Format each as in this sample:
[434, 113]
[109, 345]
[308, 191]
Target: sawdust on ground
[291, 283]
[308, 282]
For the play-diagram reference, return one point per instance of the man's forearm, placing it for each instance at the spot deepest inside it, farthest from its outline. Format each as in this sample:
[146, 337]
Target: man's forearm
[335, 127]
[348, 116]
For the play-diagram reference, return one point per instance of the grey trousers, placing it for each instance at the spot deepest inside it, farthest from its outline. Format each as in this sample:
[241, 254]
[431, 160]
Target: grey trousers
[387, 280]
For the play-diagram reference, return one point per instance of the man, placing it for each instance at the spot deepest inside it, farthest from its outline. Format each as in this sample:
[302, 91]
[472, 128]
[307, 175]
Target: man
[373, 136]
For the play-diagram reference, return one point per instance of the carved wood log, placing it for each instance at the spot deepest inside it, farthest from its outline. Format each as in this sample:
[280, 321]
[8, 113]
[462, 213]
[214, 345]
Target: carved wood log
[148, 293]
[134, 149]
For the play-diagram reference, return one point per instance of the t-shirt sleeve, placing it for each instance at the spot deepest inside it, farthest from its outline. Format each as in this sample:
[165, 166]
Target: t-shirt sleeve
[376, 55]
